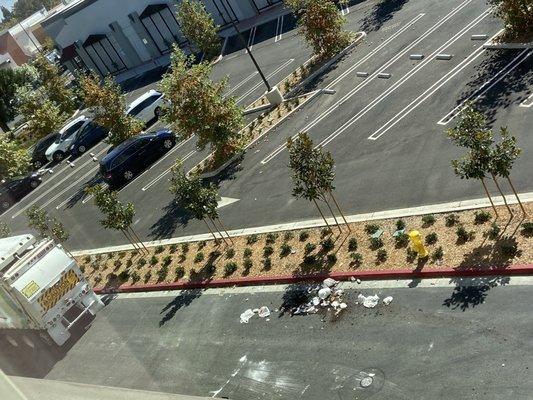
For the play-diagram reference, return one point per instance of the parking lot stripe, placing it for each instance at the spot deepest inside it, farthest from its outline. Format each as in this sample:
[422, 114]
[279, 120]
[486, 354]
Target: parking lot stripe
[234, 88]
[279, 29]
[166, 171]
[387, 64]
[527, 102]
[251, 38]
[402, 80]
[486, 87]
[436, 86]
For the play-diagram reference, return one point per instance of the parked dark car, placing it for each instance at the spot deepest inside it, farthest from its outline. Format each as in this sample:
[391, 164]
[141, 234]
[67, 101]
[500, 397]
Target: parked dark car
[86, 138]
[129, 158]
[16, 188]
[38, 157]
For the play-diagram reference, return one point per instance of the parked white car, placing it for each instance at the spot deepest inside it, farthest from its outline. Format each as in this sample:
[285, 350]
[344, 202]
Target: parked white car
[61, 146]
[147, 107]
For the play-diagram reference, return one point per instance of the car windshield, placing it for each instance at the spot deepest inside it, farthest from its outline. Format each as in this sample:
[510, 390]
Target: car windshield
[143, 104]
[69, 132]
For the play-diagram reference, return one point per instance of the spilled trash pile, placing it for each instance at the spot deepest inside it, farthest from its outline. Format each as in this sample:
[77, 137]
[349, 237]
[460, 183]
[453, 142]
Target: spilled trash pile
[372, 301]
[262, 312]
[326, 296]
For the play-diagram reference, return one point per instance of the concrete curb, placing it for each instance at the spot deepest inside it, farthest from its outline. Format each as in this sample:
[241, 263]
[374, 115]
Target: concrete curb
[520, 269]
[508, 46]
[316, 223]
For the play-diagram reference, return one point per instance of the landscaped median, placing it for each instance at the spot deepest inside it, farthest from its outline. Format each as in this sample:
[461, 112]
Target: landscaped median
[462, 243]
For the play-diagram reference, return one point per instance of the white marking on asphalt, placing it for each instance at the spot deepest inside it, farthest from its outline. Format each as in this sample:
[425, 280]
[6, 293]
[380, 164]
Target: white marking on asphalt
[400, 82]
[527, 102]
[485, 87]
[234, 88]
[55, 197]
[387, 64]
[242, 362]
[165, 172]
[226, 201]
[277, 70]
[251, 38]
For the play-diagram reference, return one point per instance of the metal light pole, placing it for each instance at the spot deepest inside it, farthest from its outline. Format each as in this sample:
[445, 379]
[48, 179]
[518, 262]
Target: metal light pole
[29, 37]
[269, 88]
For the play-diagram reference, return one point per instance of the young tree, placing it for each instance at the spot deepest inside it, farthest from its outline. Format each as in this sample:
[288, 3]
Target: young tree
[517, 16]
[197, 199]
[10, 79]
[197, 106]
[503, 157]
[108, 105]
[321, 25]
[4, 230]
[47, 226]
[13, 159]
[118, 216]
[199, 27]
[312, 173]
[42, 115]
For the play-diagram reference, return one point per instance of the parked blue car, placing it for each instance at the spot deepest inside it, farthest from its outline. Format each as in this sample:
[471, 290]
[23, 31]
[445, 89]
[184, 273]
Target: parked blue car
[86, 138]
[134, 155]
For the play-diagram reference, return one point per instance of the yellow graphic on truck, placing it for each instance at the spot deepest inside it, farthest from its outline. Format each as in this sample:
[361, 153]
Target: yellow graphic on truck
[52, 295]
[30, 289]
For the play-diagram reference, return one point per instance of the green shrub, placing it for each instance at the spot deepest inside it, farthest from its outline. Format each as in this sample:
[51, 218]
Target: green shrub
[110, 255]
[124, 275]
[141, 262]
[288, 236]
[494, 231]
[463, 235]
[267, 264]
[271, 238]
[401, 239]
[159, 249]
[201, 244]
[381, 255]
[451, 219]
[162, 272]
[331, 258]
[148, 276]
[184, 247]
[400, 225]
[268, 251]
[230, 268]
[527, 228]
[371, 228]
[438, 253]
[327, 245]
[129, 263]
[173, 247]
[154, 260]
[135, 277]
[357, 258]
[376, 243]
[252, 239]
[411, 255]
[508, 248]
[167, 260]
[230, 253]
[428, 220]
[325, 232]
[431, 238]
[285, 249]
[352, 244]
[117, 264]
[247, 266]
[180, 272]
[199, 257]
[87, 259]
[247, 252]
[480, 217]
[303, 236]
[121, 254]
[309, 247]
[309, 259]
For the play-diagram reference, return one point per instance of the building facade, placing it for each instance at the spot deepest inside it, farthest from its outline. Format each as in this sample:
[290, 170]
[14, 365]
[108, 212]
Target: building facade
[114, 36]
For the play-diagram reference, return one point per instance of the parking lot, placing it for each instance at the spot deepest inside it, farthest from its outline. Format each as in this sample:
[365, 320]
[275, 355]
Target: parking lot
[394, 95]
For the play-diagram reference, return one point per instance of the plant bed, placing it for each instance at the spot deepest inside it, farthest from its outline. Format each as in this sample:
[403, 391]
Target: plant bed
[309, 252]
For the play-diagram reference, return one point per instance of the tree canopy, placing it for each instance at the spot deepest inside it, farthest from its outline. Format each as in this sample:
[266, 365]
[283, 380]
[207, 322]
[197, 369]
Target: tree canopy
[118, 216]
[13, 159]
[517, 16]
[10, 80]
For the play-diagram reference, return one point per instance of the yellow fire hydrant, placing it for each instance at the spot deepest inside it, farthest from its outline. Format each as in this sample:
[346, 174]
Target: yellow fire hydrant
[417, 244]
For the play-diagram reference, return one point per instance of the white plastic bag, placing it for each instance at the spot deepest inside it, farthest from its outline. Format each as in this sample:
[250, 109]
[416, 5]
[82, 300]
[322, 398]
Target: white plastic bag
[264, 312]
[387, 300]
[368, 301]
[245, 316]
[324, 293]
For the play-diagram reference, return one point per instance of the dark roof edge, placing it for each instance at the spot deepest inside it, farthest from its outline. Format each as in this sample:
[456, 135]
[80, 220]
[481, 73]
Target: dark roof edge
[67, 12]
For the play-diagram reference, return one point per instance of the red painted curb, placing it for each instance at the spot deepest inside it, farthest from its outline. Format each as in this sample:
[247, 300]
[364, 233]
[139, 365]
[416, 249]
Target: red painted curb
[525, 269]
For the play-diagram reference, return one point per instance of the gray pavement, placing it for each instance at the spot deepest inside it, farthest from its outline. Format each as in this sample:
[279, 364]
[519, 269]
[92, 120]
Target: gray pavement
[386, 135]
[438, 339]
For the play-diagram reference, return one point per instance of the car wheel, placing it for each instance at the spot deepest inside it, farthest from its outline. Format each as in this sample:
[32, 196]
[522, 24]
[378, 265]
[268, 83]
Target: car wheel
[157, 112]
[81, 149]
[59, 156]
[37, 164]
[168, 144]
[128, 175]
[34, 184]
[5, 204]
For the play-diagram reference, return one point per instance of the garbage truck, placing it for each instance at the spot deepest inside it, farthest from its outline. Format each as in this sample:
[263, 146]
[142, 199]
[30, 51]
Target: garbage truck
[42, 289]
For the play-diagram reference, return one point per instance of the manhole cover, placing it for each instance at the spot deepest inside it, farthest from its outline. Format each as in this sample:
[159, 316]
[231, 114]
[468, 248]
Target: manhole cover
[366, 381]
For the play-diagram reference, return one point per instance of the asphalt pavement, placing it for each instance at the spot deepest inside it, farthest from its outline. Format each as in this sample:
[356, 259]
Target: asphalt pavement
[383, 124]
[438, 339]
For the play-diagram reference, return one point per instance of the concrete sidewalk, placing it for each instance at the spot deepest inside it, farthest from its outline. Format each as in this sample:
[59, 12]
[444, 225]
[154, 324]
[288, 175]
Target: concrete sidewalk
[314, 223]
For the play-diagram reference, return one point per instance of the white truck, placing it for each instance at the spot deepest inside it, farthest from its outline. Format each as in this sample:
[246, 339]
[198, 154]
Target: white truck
[39, 284]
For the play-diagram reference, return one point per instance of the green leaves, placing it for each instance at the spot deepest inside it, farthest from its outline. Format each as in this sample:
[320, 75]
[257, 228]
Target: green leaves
[517, 16]
[47, 226]
[199, 27]
[13, 160]
[118, 216]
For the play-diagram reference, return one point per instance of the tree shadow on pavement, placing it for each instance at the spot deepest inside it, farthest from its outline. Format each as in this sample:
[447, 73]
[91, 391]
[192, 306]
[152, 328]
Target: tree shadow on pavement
[472, 292]
[296, 295]
[172, 218]
[81, 194]
[184, 299]
[380, 14]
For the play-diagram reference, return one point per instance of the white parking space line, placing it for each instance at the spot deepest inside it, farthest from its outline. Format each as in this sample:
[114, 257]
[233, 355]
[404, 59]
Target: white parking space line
[387, 64]
[277, 70]
[84, 176]
[165, 172]
[486, 86]
[57, 184]
[345, 9]
[401, 81]
[234, 88]
[527, 102]
[251, 38]
[279, 29]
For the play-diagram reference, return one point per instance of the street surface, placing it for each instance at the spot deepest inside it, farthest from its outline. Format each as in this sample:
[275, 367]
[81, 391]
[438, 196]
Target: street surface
[385, 130]
[438, 339]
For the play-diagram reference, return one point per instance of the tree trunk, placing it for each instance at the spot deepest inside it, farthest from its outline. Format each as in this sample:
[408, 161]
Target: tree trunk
[516, 195]
[342, 214]
[4, 126]
[323, 217]
[128, 237]
[218, 231]
[332, 213]
[134, 234]
[210, 230]
[490, 198]
[503, 196]
[225, 231]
